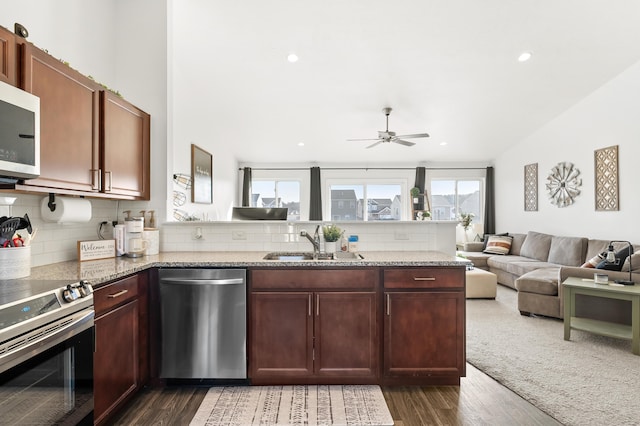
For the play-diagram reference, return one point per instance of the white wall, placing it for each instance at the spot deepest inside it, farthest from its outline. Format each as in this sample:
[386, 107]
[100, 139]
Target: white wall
[607, 117]
[75, 31]
[191, 87]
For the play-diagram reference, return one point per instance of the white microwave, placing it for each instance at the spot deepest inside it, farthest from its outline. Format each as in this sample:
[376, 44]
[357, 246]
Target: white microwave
[19, 134]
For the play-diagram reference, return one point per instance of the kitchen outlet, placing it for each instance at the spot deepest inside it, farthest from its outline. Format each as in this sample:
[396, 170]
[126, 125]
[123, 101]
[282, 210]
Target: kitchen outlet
[401, 236]
[238, 235]
[197, 234]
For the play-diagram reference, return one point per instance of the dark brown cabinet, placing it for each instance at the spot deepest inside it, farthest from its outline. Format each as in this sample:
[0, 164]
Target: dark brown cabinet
[69, 113]
[124, 147]
[121, 355]
[302, 334]
[8, 60]
[346, 342]
[282, 335]
[424, 326]
[92, 142]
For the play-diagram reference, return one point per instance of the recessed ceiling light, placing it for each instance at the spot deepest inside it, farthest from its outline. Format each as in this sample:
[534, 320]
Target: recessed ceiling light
[292, 57]
[300, 143]
[525, 56]
[443, 143]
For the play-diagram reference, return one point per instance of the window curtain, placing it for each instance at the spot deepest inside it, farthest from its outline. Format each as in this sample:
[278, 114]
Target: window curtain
[489, 203]
[315, 204]
[420, 177]
[246, 187]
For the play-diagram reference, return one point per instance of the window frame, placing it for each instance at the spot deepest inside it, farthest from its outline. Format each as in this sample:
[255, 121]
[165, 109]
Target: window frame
[300, 176]
[402, 177]
[457, 175]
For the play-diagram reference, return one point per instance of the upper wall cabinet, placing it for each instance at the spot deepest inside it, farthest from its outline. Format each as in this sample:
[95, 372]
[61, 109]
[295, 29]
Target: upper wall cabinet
[8, 57]
[69, 144]
[92, 142]
[124, 147]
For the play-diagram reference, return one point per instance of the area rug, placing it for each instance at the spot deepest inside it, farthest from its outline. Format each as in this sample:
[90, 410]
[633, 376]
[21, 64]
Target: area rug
[293, 405]
[589, 380]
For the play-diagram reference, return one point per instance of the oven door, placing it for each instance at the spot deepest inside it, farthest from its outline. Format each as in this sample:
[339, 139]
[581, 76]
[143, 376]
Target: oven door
[54, 383]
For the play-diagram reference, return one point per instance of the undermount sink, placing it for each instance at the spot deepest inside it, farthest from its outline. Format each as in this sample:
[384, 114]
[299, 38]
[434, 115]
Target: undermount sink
[294, 256]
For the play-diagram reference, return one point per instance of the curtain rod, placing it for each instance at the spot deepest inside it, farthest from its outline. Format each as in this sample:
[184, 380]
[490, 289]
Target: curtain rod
[365, 168]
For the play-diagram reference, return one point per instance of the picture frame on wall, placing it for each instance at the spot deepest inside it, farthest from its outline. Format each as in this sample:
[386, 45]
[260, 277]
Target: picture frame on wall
[531, 187]
[606, 179]
[202, 175]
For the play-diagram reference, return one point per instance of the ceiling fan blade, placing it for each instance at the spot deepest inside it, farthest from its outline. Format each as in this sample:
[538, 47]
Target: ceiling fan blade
[372, 139]
[405, 143]
[372, 145]
[416, 135]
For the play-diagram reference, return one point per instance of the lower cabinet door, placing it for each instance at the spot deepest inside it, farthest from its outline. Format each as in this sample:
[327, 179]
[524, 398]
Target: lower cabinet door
[281, 335]
[115, 368]
[424, 334]
[346, 338]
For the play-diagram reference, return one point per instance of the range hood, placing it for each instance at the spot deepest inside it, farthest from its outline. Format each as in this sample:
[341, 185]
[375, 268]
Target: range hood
[259, 213]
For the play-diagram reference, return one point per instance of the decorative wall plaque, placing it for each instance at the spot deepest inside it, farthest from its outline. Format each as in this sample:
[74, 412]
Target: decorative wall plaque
[531, 187]
[564, 184]
[202, 175]
[606, 175]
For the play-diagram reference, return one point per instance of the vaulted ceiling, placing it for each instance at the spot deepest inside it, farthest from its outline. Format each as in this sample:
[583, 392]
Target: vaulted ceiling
[449, 68]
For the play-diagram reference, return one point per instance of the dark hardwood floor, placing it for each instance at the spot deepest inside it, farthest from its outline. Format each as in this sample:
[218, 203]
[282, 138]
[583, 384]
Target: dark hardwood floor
[479, 400]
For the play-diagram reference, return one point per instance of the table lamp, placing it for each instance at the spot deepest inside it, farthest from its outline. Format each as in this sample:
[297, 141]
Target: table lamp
[611, 258]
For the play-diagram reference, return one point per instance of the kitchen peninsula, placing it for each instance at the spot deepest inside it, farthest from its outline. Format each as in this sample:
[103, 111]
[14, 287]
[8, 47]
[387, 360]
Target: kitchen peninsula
[393, 318]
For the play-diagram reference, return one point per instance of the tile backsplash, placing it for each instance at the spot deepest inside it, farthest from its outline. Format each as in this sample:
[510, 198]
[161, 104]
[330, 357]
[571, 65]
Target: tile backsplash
[55, 243]
[285, 236]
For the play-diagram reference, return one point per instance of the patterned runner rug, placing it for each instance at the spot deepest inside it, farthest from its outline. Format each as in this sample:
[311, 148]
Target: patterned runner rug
[293, 405]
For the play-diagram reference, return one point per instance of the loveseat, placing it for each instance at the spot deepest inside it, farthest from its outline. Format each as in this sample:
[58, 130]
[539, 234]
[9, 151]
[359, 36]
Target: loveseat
[537, 262]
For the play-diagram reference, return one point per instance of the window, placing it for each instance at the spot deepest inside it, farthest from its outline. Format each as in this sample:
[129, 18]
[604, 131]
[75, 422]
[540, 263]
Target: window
[366, 201]
[277, 193]
[450, 197]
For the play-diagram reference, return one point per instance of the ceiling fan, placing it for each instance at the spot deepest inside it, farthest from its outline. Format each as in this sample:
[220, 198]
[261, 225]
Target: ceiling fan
[388, 136]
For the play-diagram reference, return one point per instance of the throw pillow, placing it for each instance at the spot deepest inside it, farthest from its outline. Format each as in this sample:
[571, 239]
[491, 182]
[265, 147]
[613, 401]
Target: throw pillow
[635, 263]
[498, 244]
[621, 257]
[486, 239]
[593, 262]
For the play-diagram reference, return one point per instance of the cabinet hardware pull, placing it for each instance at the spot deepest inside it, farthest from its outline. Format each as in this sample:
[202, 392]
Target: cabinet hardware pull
[424, 279]
[388, 305]
[108, 185]
[118, 294]
[310, 304]
[317, 306]
[95, 179]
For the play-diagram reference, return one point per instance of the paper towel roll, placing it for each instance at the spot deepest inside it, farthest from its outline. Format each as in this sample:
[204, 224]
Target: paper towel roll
[67, 210]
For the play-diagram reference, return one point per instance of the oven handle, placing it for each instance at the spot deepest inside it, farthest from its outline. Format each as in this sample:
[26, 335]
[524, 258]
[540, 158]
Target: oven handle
[35, 342]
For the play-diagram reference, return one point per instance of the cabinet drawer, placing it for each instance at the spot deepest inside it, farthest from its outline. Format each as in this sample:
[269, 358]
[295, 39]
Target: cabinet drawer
[114, 294]
[310, 279]
[424, 278]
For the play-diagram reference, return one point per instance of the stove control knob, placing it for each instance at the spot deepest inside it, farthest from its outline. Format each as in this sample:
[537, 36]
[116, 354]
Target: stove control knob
[70, 294]
[85, 288]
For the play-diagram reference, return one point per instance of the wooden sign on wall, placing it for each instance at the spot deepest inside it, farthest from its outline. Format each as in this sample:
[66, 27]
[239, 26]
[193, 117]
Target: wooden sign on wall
[202, 176]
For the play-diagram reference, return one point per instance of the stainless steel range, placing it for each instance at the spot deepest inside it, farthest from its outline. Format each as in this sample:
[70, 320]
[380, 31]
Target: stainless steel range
[46, 352]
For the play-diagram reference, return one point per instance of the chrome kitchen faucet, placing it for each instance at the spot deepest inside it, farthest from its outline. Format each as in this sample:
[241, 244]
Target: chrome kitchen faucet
[315, 240]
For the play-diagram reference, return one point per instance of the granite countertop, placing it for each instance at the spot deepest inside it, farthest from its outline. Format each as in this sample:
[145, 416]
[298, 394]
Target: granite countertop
[100, 271]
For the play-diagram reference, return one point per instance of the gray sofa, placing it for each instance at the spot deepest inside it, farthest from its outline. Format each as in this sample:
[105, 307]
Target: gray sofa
[537, 262]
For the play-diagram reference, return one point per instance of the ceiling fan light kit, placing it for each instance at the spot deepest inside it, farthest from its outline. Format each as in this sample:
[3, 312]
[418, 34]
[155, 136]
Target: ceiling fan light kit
[387, 136]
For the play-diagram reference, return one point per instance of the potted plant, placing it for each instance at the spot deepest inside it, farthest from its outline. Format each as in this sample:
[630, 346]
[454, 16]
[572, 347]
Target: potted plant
[332, 234]
[415, 191]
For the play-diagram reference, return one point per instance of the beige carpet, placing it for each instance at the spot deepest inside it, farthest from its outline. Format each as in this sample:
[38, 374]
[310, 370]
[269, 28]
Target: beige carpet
[589, 380]
[293, 405]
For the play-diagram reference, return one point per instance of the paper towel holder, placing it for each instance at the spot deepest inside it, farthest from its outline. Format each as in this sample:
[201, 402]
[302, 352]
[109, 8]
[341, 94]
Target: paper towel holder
[52, 202]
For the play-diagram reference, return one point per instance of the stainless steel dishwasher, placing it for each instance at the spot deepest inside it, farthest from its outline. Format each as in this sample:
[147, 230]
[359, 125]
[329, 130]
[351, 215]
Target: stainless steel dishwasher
[203, 320]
